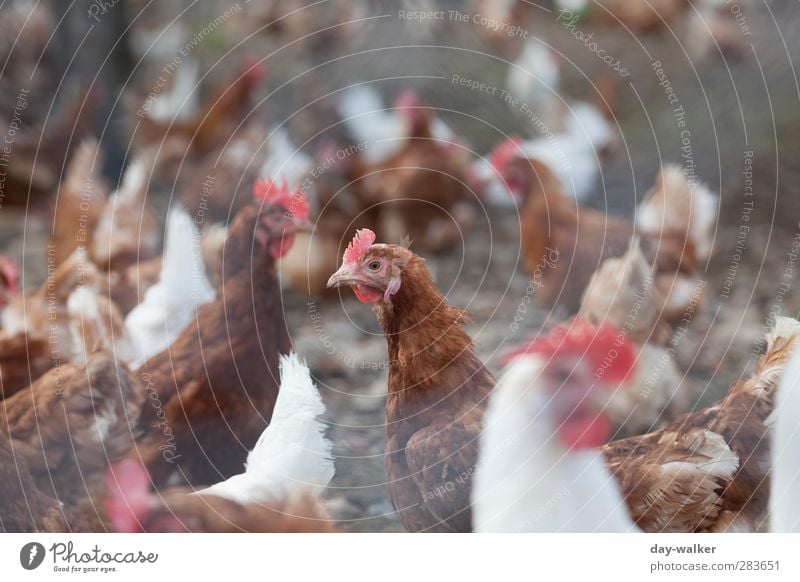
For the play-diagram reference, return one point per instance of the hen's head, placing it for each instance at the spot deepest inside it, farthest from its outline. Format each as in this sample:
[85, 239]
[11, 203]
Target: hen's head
[512, 166]
[580, 366]
[282, 214]
[373, 270]
[9, 279]
[410, 106]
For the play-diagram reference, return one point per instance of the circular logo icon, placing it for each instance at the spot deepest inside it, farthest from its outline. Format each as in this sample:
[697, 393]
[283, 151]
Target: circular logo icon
[31, 555]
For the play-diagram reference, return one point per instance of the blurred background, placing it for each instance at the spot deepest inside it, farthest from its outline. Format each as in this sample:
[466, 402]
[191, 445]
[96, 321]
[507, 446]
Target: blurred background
[224, 92]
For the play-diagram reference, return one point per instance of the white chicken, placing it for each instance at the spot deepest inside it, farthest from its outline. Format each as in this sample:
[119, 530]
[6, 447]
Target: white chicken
[784, 501]
[539, 468]
[380, 129]
[284, 161]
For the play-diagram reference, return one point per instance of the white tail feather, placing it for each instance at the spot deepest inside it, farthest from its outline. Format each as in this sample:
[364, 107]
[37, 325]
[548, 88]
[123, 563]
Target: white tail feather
[381, 131]
[169, 305]
[292, 454]
[285, 160]
[785, 449]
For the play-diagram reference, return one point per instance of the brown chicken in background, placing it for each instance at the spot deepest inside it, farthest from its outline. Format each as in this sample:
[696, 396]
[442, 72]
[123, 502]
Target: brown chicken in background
[337, 213]
[563, 243]
[421, 189]
[72, 422]
[127, 231]
[25, 509]
[708, 471]
[216, 384]
[438, 389]
[213, 124]
[67, 318]
[622, 293]
[42, 150]
[79, 203]
[36, 326]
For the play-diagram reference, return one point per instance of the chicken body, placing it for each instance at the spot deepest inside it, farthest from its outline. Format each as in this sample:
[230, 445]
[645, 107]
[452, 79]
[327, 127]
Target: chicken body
[563, 243]
[213, 389]
[708, 471]
[72, 422]
[438, 389]
[23, 508]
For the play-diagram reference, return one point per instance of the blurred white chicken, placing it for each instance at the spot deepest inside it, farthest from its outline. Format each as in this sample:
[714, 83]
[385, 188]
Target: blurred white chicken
[170, 305]
[284, 160]
[539, 468]
[180, 101]
[292, 456]
[784, 501]
[573, 136]
[534, 80]
[382, 130]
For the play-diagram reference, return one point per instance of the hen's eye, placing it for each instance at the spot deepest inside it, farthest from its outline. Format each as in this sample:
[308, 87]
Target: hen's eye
[374, 265]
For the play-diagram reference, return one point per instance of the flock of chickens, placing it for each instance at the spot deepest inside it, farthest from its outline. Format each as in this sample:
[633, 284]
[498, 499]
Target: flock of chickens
[150, 384]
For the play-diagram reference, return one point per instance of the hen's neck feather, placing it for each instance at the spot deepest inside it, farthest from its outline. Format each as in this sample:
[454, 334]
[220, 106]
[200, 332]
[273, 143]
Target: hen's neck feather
[425, 335]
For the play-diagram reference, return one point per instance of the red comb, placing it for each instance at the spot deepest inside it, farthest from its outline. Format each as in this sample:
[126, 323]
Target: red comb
[10, 272]
[604, 347]
[254, 70]
[407, 99]
[271, 193]
[127, 495]
[358, 246]
[505, 152]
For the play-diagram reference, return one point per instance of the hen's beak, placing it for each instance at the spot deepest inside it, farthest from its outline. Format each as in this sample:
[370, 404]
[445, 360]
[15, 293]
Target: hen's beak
[341, 277]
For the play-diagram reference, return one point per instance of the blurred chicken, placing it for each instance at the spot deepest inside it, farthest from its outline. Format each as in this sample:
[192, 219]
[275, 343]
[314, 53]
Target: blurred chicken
[784, 500]
[41, 150]
[23, 508]
[563, 243]
[171, 304]
[707, 472]
[622, 293]
[127, 232]
[286, 473]
[539, 468]
[414, 170]
[36, 333]
[534, 79]
[72, 422]
[572, 156]
[66, 319]
[213, 124]
[216, 384]
[338, 212]
[678, 219]
[79, 202]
